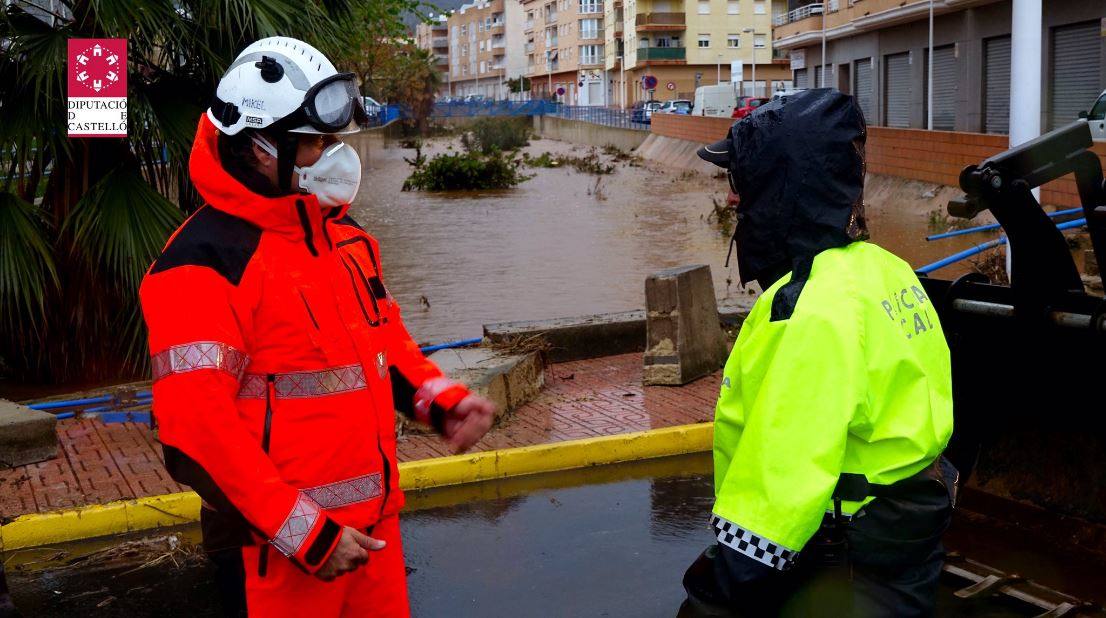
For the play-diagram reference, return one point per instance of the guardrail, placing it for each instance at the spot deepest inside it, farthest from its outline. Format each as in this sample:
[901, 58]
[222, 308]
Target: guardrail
[800, 13]
[618, 118]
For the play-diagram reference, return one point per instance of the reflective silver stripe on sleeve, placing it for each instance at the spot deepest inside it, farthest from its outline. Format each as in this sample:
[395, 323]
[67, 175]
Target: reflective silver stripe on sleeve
[293, 532]
[199, 355]
[756, 547]
[347, 492]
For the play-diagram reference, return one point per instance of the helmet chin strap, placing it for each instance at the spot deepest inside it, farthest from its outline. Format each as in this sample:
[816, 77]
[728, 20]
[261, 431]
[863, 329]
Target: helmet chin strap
[287, 145]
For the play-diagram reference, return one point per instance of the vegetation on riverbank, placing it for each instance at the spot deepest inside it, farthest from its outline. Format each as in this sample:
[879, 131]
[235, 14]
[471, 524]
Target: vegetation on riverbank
[588, 164]
[468, 170]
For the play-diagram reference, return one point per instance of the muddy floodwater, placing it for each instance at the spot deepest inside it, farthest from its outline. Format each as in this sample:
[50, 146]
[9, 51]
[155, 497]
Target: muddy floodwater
[606, 541]
[566, 243]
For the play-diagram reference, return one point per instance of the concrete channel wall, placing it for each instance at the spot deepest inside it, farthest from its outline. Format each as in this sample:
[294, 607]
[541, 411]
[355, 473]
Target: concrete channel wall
[588, 133]
[914, 154]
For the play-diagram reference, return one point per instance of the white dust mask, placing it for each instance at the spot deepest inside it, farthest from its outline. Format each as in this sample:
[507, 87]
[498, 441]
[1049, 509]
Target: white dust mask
[334, 178]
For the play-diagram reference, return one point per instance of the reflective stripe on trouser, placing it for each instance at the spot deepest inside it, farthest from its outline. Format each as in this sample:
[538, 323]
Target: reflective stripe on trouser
[377, 589]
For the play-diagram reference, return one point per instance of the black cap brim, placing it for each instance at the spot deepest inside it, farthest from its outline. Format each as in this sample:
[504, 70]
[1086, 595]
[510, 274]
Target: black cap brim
[717, 153]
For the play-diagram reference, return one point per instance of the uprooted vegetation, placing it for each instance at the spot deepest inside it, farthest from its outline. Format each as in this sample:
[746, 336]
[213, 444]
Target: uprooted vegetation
[503, 134]
[459, 171]
[588, 164]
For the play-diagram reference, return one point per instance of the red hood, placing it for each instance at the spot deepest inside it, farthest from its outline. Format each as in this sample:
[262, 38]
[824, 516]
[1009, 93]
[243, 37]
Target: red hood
[223, 192]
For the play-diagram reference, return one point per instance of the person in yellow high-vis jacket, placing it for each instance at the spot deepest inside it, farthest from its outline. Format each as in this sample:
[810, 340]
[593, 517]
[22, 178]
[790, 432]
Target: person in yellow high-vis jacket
[836, 403]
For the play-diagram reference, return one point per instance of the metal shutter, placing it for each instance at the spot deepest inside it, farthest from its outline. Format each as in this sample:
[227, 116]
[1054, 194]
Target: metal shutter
[802, 78]
[896, 90]
[1076, 54]
[944, 88]
[996, 85]
[862, 87]
[818, 81]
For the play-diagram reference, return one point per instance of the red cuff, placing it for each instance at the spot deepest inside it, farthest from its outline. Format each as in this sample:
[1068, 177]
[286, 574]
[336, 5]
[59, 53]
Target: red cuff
[435, 398]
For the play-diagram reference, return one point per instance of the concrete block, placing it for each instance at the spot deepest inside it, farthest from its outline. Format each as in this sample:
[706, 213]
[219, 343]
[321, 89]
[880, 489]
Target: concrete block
[509, 380]
[684, 340]
[578, 338]
[26, 435]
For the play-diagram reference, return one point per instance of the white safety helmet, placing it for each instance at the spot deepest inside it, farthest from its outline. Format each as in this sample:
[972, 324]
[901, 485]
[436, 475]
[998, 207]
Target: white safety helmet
[288, 85]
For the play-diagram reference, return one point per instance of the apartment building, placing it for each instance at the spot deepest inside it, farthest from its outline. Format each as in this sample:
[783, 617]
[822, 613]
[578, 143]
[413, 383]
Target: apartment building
[434, 37]
[685, 44]
[564, 50]
[478, 49]
[878, 50]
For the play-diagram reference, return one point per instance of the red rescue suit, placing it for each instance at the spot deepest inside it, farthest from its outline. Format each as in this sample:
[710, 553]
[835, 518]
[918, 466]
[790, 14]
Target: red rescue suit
[279, 359]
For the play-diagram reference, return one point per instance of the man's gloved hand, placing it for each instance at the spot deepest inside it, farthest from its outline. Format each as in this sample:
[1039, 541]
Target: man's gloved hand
[467, 422]
[351, 554]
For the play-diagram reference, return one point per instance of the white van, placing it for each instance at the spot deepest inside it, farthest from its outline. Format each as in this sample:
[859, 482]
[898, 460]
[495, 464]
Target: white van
[718, 100]
[1096, 117]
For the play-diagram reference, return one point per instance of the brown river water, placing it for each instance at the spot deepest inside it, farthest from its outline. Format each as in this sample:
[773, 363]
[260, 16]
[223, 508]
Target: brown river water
[556, 247]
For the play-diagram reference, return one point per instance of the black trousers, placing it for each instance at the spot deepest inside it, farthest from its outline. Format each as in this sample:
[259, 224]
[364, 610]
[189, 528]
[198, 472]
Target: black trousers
[892, 561]
[223, 538]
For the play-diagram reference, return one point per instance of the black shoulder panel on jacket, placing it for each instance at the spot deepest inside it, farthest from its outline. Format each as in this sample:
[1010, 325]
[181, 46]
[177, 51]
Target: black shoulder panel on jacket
[348, 220]
[215, 239]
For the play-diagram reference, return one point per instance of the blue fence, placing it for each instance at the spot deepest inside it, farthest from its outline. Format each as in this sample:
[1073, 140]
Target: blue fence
[624, 119]
[619, 118]
[492, 108]
[383, 114]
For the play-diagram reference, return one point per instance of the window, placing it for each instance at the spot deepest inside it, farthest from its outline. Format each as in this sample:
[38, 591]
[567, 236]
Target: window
[483, 67]
[463, 29]
[590, 28]
[1098, 112]
[758, 41]
[759, 7]
[733, 7]
[591, 54]
[733, 41]
[481, 45]
[704, 40]
[704, 7]
[591, 6]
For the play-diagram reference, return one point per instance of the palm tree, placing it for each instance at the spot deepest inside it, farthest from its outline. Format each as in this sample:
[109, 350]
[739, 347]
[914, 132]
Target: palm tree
[82, 219]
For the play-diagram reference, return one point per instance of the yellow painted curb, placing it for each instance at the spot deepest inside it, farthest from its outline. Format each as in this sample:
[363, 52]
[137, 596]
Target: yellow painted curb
[122, 516]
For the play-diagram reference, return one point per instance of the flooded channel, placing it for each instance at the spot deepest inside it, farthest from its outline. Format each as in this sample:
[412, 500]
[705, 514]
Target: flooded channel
[562, 245]
[606, 541]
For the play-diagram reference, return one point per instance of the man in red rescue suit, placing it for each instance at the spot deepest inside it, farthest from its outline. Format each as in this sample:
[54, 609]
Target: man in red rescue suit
[278, 355]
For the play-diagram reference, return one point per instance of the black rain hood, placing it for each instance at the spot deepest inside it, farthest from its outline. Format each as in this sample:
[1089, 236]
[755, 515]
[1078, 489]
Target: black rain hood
[797, 164]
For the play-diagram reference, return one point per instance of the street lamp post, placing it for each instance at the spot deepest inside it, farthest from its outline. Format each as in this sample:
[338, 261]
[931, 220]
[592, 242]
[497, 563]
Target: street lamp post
[622, 80]
[929, 80]
[753, 34]
[718, 68]
[825, 5]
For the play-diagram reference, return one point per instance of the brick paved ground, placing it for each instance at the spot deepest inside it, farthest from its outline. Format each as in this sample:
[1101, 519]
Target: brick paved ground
[582, 399]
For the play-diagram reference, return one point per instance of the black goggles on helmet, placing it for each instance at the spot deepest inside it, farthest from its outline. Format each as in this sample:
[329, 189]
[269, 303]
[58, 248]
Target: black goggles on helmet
[328, 107]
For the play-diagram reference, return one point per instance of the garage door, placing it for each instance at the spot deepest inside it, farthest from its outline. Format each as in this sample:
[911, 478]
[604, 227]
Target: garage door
[819, 82]
[862, 86]
[802, 78]
[1076, 58]
[944, 88]
[594, 93]
[896, 91]
[996, 85]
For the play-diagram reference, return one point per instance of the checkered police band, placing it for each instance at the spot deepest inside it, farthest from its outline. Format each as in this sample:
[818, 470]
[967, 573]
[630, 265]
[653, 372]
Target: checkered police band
[756, 547]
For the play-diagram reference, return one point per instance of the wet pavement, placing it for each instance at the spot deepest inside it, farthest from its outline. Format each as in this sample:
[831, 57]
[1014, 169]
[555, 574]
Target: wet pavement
[566, 243]
[607, 541]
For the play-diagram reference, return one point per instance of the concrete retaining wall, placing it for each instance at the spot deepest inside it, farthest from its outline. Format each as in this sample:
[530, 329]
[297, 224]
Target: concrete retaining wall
[914, 154]
[587, 133]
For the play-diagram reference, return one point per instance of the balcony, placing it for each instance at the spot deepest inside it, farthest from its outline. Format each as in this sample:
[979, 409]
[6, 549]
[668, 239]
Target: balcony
[799, 14]
[529, 47]
[660, 22]
[499, 42]
[673, 55]
[592, 61]
[591, 34]
[528, 25]
[618, 28]
[440, 42]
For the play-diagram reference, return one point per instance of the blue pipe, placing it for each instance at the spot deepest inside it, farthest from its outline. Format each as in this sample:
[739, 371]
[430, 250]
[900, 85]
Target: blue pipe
[453, 344]
[145, 397]
[995, 226]
[65, 415]
[54, 405]
[967, 253]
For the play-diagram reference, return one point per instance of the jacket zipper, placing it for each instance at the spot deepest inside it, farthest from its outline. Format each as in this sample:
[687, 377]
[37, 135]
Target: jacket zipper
[310, 314]
[270, 379]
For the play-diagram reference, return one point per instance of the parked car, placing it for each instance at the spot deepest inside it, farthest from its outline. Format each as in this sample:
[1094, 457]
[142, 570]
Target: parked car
[746, 105]
[717, 100]
[642, 111]
[372, 109]
[676, 106]
[784, 93]
[1096, 117]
